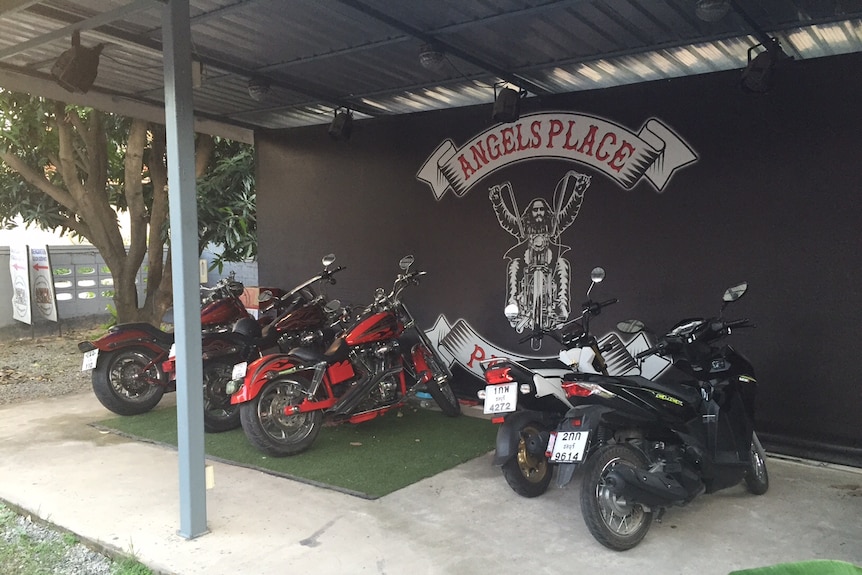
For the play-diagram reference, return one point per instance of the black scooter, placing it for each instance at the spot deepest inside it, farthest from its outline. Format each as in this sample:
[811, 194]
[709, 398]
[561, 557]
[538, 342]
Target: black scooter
[647, 445]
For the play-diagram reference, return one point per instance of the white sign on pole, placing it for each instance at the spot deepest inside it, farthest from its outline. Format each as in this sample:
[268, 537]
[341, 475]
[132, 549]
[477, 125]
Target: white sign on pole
[43, 283]
[19, 267]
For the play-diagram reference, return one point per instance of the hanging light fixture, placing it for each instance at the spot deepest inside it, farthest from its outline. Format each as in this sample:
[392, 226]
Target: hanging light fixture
[76, 68]
[259, 88]
[431, 58]
[507, 104]
[758, 75]
[342, 124]
[712, 10]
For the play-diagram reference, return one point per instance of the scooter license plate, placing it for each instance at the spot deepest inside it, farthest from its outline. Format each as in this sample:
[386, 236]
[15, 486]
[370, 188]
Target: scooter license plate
[501, 398]
[90, 359]
[567, 446]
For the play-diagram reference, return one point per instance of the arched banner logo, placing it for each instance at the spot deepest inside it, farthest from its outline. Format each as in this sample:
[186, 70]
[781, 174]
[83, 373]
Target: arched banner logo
[655, 152]
[460, 343]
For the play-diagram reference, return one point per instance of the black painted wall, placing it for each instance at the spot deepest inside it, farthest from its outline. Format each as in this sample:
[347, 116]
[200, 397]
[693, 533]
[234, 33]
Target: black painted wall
[773, 198]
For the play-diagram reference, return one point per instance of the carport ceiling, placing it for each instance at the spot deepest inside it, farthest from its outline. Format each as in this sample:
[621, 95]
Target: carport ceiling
[315, 56]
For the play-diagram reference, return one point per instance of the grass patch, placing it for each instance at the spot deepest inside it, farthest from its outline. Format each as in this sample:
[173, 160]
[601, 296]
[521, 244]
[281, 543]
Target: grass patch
[369, 460]
[28, 548]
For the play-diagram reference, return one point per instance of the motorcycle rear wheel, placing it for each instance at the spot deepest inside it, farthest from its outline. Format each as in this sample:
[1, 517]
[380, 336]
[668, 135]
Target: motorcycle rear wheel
[269, 429]
[528, 475]
[122, 380]
[219, 414]
[757, 478]
[439, 387]
[613, 521]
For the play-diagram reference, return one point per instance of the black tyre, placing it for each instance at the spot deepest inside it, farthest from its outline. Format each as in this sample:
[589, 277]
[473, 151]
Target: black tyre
[528, 474]
[129, 381]
[613, 521]
[269, 429]
[757, 478]
[439, 388]
[219, 414]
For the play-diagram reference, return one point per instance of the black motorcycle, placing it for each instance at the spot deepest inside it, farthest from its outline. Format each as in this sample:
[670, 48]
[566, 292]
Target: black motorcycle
[527, 398]
[647, 445]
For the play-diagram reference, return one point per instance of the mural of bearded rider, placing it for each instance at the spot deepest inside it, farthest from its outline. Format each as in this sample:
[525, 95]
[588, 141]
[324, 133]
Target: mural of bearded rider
[538, 274]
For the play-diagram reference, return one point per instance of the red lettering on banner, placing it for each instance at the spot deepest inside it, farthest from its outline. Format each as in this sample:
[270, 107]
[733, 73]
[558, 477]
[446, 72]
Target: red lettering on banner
[508, 143]
[521, 145]
[493, 148]
[554, 130]
[600, 155]
[477, 355]
[535, 126]
[569, 145]
[589, 141]
[466, 168]
[624, 152]
[479, 155]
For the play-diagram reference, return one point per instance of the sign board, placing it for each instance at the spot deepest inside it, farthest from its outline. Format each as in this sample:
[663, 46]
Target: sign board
[43, 283]
[19, 267]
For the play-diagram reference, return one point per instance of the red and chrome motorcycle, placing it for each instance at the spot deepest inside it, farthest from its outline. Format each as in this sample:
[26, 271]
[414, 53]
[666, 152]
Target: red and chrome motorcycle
[296, 318]
[127, 361]
[366, 372]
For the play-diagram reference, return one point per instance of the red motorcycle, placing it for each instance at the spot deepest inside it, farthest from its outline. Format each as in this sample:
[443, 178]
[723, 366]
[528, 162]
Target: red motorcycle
[127, 361]
[285, 398]
[296, 318]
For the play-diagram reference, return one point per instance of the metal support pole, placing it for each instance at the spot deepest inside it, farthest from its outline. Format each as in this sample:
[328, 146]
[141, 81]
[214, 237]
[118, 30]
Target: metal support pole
[179, 121]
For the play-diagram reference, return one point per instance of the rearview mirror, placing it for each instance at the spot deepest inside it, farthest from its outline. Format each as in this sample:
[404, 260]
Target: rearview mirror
[735, 292]
[406, 262]
[631, 326]
[328, 260]
[597, 275]
[264, 296]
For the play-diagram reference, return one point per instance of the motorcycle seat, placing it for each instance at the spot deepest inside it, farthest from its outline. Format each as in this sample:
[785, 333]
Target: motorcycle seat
[158, 335]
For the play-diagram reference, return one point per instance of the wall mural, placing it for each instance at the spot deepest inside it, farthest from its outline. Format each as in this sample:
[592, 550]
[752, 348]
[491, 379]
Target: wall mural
[537, 274]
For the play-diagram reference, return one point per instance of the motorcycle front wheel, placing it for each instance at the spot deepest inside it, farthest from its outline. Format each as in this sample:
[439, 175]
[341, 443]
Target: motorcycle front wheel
[269, 429]
[129, 381]
[614, 522]
[757, 478]
[528, 474]
[219, 414]
[439, 388]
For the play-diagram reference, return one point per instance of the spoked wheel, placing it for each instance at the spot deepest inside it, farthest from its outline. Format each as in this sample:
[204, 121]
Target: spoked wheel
[129, 381]
[614, 522]
[269, 429]
[438, 385]
[219, 414]
[757, 478]
[529, 472]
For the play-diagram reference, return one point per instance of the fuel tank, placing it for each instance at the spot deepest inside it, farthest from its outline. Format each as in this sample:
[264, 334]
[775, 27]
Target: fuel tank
[308, 316]
[378, 326]
[223, 311]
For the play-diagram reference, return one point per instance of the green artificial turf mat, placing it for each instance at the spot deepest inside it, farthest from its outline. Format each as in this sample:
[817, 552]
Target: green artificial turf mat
[369, 459]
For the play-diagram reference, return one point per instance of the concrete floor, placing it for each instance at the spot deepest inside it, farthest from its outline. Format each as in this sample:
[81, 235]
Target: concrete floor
[124, 495]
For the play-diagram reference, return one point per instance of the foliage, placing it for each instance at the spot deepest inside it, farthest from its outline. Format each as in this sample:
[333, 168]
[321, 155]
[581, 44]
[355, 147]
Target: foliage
[73, 169]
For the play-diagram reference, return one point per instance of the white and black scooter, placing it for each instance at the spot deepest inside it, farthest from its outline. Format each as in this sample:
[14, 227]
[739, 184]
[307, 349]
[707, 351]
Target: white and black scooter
[527, 399]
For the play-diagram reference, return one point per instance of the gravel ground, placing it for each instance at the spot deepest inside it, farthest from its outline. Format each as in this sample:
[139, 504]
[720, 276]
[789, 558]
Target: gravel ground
[44, 361]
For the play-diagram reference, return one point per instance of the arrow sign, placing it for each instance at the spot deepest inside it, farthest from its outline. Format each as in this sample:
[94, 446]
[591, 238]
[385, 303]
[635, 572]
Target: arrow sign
[38, 267]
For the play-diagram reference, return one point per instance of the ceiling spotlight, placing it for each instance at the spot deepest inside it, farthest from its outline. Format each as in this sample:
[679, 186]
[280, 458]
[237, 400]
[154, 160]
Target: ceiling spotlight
[259, 88]
[431, 58]
[507, 104]
[712, 10]
[758, 75]
[342, 124]
[76, 68]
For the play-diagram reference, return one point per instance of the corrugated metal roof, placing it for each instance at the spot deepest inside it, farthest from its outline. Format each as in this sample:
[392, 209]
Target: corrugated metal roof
[319, 55]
